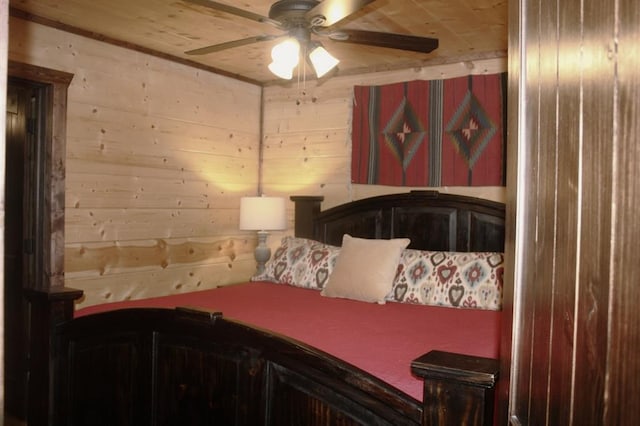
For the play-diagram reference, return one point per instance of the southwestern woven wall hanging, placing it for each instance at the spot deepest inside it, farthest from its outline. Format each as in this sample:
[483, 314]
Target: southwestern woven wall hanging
[430, 133]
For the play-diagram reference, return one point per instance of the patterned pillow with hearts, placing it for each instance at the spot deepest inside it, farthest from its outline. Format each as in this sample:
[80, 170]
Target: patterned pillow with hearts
[454, 279]
[300, 262]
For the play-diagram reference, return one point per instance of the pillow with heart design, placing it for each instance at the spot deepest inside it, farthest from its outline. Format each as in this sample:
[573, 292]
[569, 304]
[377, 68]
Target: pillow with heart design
[300, 262]
[454, 279]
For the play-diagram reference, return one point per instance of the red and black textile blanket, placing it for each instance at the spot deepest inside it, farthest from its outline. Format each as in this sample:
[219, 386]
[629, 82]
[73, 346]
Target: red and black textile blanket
[430, 133]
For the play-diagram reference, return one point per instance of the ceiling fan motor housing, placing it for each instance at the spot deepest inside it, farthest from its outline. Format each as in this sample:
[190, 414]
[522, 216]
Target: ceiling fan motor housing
[292, 12]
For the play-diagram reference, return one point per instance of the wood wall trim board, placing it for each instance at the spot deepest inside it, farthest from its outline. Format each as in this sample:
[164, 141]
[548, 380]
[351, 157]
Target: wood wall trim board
[38, 74]
[17, 13]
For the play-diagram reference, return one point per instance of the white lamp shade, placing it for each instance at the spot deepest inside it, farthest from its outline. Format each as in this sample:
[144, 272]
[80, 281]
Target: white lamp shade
[322, 61]
[262, 213]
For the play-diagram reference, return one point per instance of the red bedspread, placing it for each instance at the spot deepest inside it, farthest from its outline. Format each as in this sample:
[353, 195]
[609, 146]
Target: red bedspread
[380, 339]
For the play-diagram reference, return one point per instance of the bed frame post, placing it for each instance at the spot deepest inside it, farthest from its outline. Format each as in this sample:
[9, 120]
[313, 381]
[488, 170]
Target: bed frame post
[47, 309]
[306, 209]
[458, 389]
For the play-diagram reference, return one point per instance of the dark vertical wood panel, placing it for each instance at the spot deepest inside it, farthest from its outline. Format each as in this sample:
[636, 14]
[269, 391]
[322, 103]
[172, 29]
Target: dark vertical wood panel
[590, 373]
[623, 365]
[509, 324]
[597, 85]
[14, 315]
[565, 222]
[551, 191]
[4, 37]
[526, 170]
[522, 30]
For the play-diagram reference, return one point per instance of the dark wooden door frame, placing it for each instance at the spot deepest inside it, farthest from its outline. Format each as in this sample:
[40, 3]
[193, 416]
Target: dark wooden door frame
[51, 237]
[48, 242]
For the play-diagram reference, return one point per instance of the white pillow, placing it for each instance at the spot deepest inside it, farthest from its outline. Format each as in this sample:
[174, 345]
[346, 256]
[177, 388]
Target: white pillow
[365, 269]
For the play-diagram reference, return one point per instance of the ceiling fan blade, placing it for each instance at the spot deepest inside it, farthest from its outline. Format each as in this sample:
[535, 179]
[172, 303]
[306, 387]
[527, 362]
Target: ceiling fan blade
[390, 40]
[230, 44]
[328, 12]
[235, 11]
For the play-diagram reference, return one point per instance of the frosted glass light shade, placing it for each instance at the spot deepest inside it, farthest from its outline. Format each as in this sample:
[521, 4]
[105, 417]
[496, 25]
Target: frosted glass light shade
[286, 56]
[322, 61]
[262, 213]
[281, 70]
[286, 52]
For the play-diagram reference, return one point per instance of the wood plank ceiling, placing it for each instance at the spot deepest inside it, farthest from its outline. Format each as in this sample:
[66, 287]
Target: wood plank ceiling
[467, 30]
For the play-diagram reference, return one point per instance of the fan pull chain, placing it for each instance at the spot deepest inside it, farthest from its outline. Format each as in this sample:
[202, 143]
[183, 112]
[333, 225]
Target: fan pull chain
[304, 78]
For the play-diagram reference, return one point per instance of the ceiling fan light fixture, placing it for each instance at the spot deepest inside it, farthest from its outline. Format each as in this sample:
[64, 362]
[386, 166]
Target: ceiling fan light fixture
[322, 61]
[282, 70]
[286, 52]
[286, 56]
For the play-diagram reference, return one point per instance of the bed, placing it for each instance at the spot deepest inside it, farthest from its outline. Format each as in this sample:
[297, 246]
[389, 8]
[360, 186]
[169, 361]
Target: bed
[186, 360]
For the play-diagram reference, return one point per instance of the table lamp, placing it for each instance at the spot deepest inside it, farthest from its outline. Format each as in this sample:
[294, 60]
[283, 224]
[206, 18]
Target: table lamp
[262, 214]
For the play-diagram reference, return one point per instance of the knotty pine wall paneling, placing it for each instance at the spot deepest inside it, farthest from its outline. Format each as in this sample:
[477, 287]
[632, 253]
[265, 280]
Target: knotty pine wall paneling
[158, 155]
[307, 133]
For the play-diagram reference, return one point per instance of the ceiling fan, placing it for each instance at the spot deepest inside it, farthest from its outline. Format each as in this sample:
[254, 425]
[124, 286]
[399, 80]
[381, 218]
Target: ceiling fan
[299, 20]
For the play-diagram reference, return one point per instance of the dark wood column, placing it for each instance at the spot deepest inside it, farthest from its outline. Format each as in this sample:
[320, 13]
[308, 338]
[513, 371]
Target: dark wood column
[47, 308]
[458, 389]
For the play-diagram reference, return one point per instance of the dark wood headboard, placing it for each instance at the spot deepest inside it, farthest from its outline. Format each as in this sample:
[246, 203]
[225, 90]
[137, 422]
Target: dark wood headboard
[433, 220]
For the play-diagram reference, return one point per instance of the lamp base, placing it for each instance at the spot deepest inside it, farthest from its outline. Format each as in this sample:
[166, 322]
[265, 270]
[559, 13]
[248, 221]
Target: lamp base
[262, 252]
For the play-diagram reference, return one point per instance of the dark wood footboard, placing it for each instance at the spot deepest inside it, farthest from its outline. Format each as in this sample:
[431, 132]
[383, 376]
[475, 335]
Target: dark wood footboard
[185, 367]
[189, 367]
